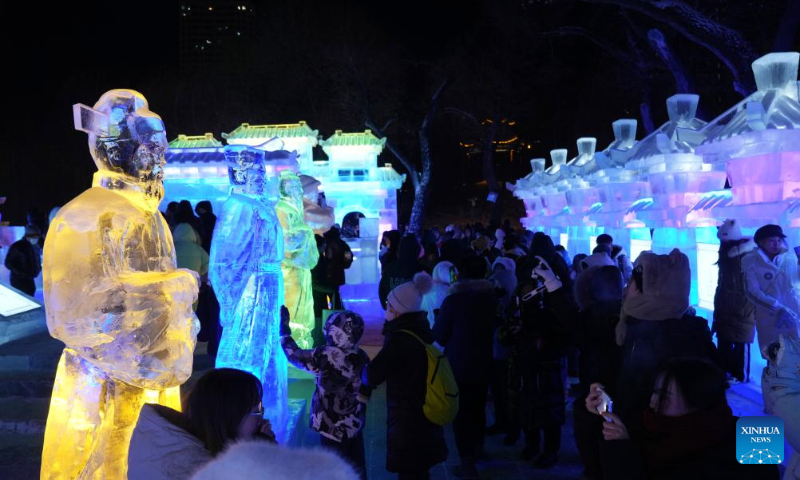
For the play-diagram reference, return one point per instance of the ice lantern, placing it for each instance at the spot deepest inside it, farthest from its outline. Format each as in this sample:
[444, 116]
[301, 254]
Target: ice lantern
[553, 198]
[581, 196]
[757, 139]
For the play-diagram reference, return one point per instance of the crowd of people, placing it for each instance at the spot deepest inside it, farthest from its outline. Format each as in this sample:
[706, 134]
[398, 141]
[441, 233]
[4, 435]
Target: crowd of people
[515, 316]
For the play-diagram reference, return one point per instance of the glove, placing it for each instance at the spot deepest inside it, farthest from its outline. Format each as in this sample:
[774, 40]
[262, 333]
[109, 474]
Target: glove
[546, 274]
[285, 329]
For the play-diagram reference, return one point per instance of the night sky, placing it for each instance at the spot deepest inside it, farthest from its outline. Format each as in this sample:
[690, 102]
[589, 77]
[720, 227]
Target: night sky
[331, 63]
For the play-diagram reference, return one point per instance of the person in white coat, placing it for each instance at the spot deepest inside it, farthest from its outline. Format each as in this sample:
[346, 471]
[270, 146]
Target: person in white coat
[770, 274]
[444, 275]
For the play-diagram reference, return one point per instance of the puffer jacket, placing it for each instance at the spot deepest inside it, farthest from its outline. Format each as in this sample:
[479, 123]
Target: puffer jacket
[162, 448]
[188, 249]
[335, 410]
[771, 286]
[538, 336]
[734, 313]
[465, 326]
[412, 442]
[432, 300]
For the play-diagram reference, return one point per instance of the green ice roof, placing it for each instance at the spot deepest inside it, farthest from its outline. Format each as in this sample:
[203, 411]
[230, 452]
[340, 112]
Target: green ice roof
[340, 139]
[287, 130]
[199, 141]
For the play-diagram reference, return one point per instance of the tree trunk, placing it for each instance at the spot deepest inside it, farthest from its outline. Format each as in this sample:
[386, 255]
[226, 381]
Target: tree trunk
[417, 219]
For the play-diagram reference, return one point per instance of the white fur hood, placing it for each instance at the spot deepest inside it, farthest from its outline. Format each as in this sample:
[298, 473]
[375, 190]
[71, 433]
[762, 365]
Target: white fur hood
[264, 460]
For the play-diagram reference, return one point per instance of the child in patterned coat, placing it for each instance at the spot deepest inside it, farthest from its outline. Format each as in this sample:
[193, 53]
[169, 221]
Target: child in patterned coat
[336, 413]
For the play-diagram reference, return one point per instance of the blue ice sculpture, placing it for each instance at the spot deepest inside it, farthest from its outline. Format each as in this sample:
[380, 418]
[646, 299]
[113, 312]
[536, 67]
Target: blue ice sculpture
[245, 270]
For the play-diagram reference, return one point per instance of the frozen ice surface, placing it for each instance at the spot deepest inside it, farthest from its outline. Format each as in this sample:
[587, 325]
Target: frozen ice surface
[114, 296]
[245, 270]
[317, 214]
[300, 256]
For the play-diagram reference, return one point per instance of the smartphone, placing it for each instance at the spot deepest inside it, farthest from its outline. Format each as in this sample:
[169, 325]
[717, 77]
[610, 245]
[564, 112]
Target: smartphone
[606, 404]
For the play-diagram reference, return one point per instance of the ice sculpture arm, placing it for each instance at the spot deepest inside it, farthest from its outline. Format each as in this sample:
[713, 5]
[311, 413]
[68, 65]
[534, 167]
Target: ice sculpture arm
[299, 246]
[130, 323]
[302, 359]
[231, 249]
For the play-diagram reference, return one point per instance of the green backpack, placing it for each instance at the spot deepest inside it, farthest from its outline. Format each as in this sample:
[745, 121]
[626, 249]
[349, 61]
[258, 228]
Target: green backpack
[441, 394]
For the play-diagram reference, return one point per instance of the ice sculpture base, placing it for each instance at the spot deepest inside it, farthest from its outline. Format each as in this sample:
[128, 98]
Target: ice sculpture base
[289, 434]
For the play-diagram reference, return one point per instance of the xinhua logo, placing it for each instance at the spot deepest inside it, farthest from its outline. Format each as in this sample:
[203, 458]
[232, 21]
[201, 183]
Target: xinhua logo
[759, 440]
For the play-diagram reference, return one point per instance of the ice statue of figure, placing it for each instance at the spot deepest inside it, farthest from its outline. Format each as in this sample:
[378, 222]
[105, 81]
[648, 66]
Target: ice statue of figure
[300, 256]
[245, 270]
[114, 296]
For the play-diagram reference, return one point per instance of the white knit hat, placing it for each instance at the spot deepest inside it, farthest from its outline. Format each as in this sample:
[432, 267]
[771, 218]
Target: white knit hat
[408, 296]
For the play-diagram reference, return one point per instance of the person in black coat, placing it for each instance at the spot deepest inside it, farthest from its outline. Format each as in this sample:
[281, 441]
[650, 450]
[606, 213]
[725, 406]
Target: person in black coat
[465, 327]
[208, 221]
[538, 336]
[24, 261]
[401, 270]
[594, 335]
[413, 444]
[734, 314]
[686, 431]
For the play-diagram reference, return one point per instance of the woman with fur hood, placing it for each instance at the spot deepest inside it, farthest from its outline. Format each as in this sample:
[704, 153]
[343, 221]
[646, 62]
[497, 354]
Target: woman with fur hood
[336, 413]
[444, 275]
[413, 444]
[657, 325]
[734, 314]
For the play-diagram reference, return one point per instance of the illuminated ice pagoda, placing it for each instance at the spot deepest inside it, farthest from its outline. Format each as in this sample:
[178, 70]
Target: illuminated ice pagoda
[669, 189]
[361, 192]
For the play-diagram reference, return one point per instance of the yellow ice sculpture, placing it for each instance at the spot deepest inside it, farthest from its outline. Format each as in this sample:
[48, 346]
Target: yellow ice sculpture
[300, 256]
[114, 296]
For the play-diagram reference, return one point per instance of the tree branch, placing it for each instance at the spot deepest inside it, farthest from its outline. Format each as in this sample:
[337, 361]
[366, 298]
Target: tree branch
[410, 168]
[727, 44]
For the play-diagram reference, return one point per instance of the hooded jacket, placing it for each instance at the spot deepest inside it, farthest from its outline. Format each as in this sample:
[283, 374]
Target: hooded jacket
[734, 313]
[412, 442]
[335, 411]
[465, 326]
[162, 448]
[401, 270]
[771, 286]
[189, 250]
[432, 300]
[266, 460]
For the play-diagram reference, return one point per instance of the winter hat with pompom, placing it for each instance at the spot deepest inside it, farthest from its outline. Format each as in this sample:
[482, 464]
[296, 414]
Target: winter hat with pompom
[408, 296]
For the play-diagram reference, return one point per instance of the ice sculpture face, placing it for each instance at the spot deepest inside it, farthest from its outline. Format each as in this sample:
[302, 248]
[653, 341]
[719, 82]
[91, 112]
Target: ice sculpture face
[114, 296]
[245, 167]
[126, 138]
[291, 189]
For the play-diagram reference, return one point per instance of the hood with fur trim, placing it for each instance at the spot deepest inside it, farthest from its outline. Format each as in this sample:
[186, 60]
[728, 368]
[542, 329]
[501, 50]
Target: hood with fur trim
[741, 247]
[267, 460]
[508, 263]
[664, 290]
